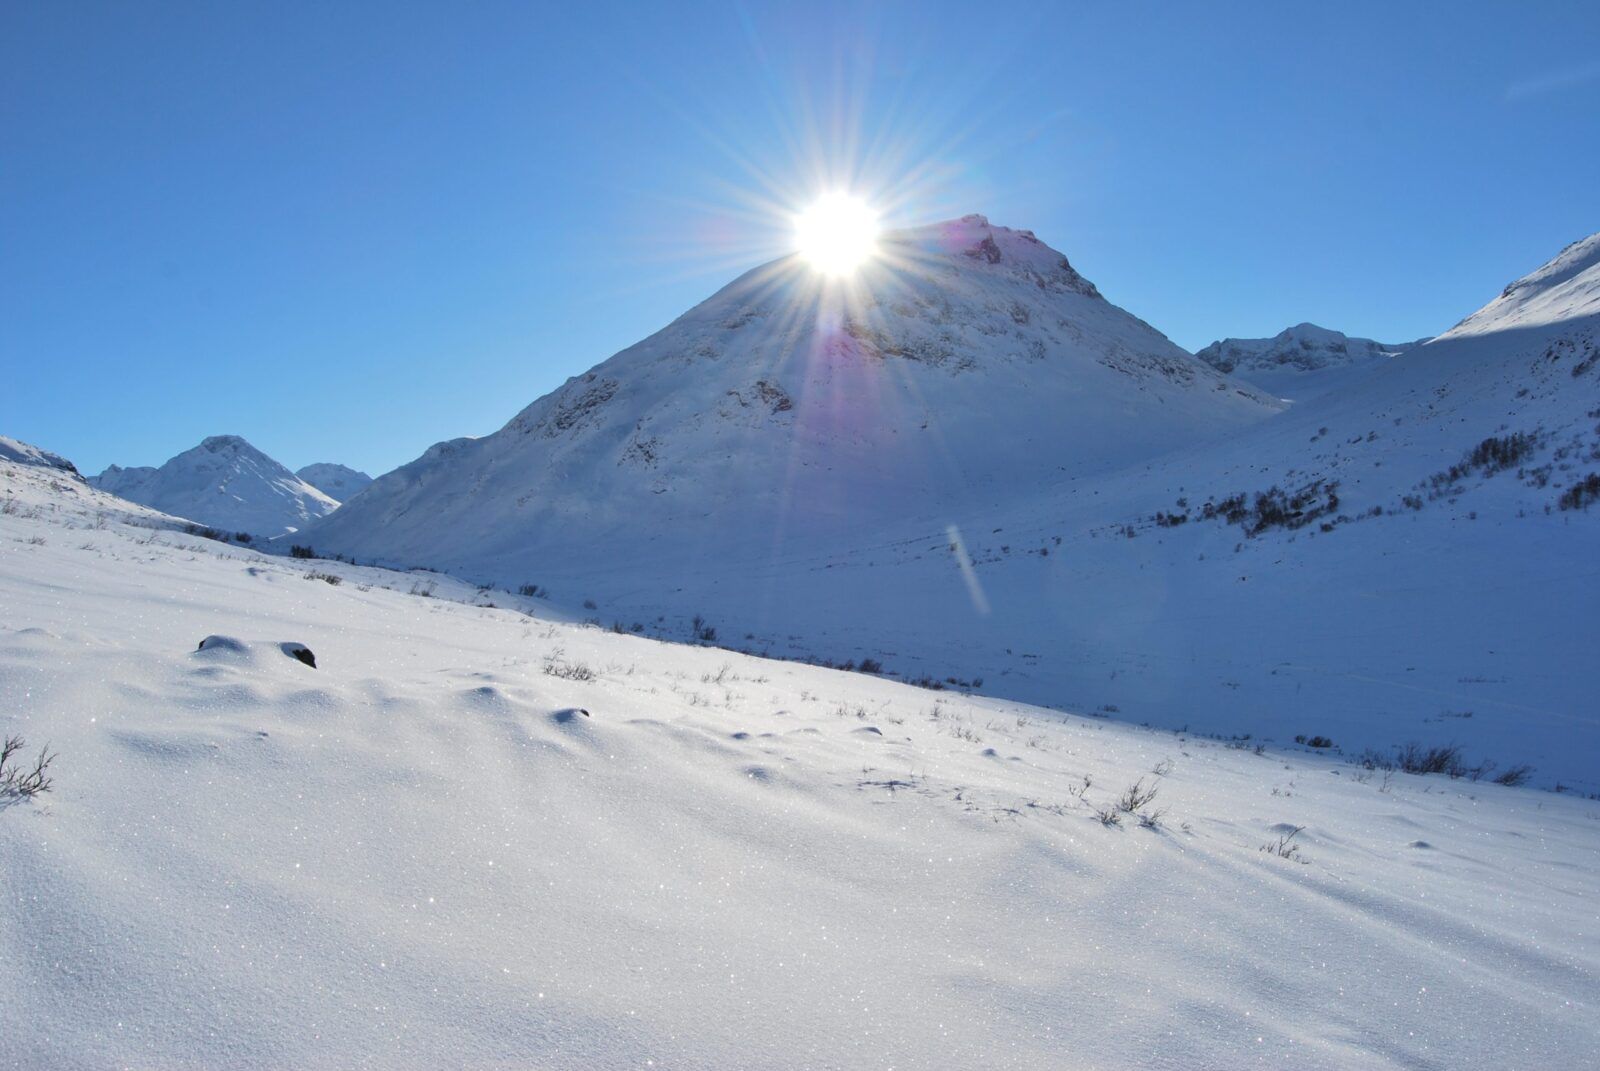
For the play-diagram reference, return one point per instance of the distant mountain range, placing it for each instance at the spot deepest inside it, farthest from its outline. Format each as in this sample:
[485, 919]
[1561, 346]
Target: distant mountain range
[1300, 361]
[224, 483]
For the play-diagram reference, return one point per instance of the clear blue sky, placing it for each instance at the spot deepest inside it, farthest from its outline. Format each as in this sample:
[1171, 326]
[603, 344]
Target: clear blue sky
[347, 231]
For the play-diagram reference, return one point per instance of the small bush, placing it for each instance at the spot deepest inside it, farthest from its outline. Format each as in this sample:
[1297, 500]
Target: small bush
[1504, 452]
[1136, 797]
[298, 551]
[1313, 741]
[870, 665]
[1284, 847]
[1581, 494]
[703, 632]
[327, 578]
[1515, 776]
[20, 782]
[556, 666]
[1415, 759]
[1152, 819]
[1108, 816]
[532, 591]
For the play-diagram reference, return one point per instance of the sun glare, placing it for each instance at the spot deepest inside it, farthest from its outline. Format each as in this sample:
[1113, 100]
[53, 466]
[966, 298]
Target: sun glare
[837, 233]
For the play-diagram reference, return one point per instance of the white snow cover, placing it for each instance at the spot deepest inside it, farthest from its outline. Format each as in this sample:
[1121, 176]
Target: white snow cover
[1566, 288]
[339, 482]
[1438, 609]
[1300, 362]
[970, 361]
[225, 483]
[443, 848]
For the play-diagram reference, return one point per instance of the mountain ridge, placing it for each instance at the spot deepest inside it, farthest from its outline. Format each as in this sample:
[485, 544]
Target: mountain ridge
[225, 483]
[812, 408]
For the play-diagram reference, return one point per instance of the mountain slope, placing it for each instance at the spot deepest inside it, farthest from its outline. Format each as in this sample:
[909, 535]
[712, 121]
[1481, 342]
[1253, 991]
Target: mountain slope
[21, 453]
[225, 483]
[1300, 361]
[1452, 601]
[339, 482]
[970, 364]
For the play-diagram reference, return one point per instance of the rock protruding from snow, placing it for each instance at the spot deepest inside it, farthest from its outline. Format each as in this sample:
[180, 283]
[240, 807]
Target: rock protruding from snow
[967, 364]
[339, 482]
[21, 453]
[225, 483]
[1567, 287]
[1300, 361]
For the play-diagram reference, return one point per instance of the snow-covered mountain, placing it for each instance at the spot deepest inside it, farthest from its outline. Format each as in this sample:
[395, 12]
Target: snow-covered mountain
[21, 453]
[1300, 362]
[1450, 580]
[339, 482]
[969, 364]
[225, 483]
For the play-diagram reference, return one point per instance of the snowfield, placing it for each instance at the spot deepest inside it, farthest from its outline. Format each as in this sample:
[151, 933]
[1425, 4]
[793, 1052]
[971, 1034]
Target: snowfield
[481, 836]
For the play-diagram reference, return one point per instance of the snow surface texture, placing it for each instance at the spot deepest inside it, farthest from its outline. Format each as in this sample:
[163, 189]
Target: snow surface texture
[1447, 603]
[339, 482]
[420, 854]
[225, 483]
[788, 412]
[1302, 361]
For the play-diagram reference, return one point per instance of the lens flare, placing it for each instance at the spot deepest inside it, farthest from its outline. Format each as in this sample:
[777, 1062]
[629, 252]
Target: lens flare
[837, 234]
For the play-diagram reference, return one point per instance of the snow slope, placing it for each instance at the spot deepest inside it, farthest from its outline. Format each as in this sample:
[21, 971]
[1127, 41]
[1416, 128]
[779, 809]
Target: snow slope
[1467, 618]
[18, 452]
[339, 482]
[225, 483]
[1300, 362]
[420, 853]
[970, 362]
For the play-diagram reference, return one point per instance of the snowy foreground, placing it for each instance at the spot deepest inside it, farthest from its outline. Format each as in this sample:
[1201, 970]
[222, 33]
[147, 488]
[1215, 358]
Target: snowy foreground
[421, 854]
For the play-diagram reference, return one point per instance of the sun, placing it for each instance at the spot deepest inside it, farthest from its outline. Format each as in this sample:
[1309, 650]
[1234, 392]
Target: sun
[837, 234]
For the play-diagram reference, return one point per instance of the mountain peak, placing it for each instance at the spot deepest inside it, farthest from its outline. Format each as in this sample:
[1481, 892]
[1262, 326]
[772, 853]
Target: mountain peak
[975, 239]
[338, 482]
[225, 483]
[1299, 361]
[967, 358]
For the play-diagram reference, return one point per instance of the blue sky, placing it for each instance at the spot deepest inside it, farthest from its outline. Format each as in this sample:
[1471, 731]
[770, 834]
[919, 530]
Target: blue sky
[346, 232]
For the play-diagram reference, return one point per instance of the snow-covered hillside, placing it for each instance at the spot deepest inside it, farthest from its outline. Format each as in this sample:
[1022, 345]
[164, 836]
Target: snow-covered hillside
[972, 362]
[1300, 362]
[20, 453]
[339, 482]
[1450, 602]
[225, 483]
[479, 836]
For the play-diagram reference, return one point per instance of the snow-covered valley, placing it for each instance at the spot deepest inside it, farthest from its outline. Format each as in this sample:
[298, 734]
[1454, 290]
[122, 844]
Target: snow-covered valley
[1111, 526]
[480, 835]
